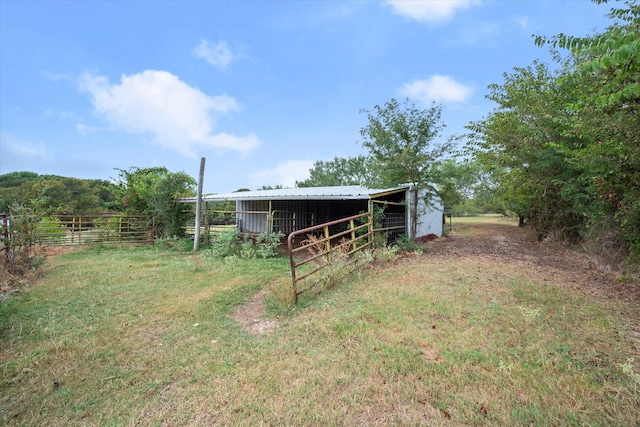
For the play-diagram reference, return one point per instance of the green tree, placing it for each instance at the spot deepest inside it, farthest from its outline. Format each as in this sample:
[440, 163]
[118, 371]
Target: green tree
[605, 118]
[456, 182]
[523, 143]
[401, 140]
[340, 171]
[56, 195]
[611, 59]
[565, 148]
[154, 192]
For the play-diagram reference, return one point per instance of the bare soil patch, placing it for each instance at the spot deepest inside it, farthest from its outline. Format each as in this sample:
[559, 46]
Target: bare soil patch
[511, 244]
[251, 316]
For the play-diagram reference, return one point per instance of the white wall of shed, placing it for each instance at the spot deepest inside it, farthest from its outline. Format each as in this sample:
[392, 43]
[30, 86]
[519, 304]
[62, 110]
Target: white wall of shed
[249, 222]
[429, 217]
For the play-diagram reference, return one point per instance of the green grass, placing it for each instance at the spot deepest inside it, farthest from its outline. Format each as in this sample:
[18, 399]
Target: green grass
[469, 225]
[143, 337]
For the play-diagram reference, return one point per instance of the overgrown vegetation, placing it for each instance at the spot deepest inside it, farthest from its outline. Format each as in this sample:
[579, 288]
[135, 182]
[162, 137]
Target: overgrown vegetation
[154, 193]
[233, 243]
[21, 258]
[563, 147]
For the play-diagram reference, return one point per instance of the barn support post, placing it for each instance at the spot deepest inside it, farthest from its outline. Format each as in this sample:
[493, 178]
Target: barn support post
[196, 237]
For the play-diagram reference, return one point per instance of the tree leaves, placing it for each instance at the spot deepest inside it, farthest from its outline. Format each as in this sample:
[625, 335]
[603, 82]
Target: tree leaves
[401, 139]
[566, 146]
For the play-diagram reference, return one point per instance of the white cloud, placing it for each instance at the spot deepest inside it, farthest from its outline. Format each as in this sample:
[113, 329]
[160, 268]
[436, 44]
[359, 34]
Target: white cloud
[179, 117]
[85, 130]
[481, 35]
[438, 88]
[429, 11]
[52, 113]
[219, 55]
[285, 174]
[24, 150]
[56, 76]
[522, 22]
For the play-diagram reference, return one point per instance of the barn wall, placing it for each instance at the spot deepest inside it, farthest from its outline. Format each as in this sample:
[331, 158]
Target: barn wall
[252, 222]
[429, 217]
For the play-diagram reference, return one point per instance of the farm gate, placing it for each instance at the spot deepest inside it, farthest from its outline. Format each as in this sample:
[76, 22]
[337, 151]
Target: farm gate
[327, 246]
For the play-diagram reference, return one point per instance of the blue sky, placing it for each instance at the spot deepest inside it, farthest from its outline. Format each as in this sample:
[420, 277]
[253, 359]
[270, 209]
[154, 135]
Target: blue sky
[261, 89]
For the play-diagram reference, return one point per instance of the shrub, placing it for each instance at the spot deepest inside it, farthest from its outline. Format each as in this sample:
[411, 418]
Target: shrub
[225, 243]
[233, 243]
[21, 260]
[267, 243]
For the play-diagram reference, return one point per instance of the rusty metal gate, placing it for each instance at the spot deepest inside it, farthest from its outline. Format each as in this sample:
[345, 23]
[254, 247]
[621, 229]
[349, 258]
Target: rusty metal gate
[324, 245]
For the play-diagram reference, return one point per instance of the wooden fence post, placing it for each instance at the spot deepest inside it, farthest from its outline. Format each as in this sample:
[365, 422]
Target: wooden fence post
[196, 237]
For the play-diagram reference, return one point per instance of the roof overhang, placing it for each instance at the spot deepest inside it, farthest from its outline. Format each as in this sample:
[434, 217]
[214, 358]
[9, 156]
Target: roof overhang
[305, 193]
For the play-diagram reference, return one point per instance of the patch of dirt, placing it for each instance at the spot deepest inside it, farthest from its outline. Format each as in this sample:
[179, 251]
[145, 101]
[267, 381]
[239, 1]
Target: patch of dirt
[251, 316]
[51, 251]
[509, 243]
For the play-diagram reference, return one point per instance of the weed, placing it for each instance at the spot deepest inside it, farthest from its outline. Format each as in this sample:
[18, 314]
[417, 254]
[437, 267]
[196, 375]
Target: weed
[529, 314]
[627, 369]
[386, 254]
[267, 243]
[232, 243]
[404, 244]
[282, 291]
[174, 243]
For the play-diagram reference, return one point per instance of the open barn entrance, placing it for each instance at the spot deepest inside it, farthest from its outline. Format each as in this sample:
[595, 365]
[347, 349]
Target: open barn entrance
[290, 210]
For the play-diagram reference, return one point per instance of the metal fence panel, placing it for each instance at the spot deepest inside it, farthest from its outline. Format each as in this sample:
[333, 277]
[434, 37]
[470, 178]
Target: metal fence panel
[324, 244]
[63, 230]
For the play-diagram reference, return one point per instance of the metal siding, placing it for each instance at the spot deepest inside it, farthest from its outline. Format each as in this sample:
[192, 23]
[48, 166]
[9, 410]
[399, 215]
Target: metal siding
[252, 223]
[429, 217]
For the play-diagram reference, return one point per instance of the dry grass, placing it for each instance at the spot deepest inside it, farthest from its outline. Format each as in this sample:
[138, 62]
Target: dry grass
[138, 338]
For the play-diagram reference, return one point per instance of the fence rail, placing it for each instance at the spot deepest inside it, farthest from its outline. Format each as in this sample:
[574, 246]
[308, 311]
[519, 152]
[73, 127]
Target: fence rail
[67, 230]
[329, 244]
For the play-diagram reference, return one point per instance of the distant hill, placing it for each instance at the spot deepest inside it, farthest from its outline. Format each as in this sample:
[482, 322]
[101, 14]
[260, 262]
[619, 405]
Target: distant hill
[52, 194]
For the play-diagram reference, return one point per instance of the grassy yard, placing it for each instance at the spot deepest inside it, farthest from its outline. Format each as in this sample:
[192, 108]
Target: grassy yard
[144, 337]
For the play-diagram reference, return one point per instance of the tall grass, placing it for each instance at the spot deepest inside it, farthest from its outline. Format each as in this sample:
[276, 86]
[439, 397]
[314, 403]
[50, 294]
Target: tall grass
[144, 337]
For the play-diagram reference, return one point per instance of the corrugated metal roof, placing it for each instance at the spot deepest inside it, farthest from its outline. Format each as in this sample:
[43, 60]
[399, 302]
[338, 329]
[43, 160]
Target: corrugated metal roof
[354, 192]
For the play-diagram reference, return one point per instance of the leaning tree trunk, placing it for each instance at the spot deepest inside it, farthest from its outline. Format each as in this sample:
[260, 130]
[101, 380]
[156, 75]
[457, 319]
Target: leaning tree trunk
[414, 214]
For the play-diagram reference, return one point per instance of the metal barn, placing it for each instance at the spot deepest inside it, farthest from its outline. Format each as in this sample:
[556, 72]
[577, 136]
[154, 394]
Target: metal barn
[292, 209]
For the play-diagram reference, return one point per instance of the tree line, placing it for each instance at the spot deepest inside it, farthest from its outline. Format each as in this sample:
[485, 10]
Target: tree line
[562, 148]
[150, 192]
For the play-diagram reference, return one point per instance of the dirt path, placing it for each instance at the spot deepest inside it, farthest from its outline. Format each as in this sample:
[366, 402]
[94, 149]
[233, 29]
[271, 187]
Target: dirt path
[509, 243]
[252, 315]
